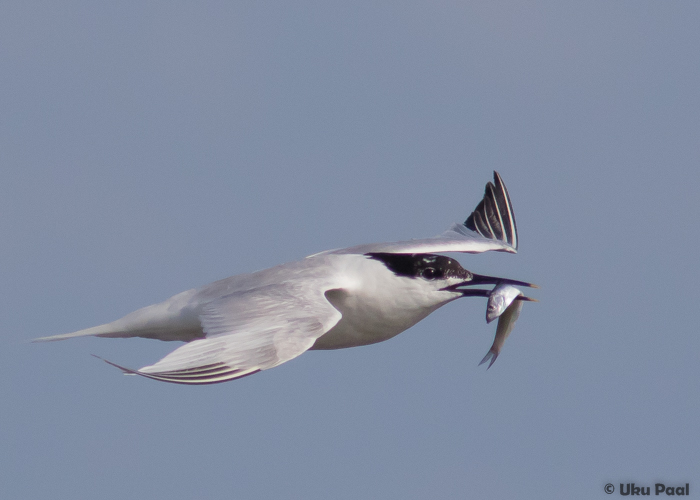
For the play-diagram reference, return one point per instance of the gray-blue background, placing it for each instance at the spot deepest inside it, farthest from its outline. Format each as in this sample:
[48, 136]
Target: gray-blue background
[148, 148]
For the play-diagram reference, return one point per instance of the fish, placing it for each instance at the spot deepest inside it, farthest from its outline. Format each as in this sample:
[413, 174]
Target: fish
[506, 322]
[500, 298]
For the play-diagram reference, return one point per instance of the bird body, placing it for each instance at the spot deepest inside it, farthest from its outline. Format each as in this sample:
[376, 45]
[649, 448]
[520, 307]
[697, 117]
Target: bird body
[330, 300]
[376, 305]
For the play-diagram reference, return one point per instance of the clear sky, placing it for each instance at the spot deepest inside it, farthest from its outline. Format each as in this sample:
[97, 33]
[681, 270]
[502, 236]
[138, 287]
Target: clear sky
[148, 148]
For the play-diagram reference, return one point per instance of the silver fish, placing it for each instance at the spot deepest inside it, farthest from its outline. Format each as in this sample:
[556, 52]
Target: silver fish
[506, 322]
[499, 299]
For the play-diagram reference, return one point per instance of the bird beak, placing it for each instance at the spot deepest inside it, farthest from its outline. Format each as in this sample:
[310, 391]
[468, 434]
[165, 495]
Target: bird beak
[480, 292]
[479, 279]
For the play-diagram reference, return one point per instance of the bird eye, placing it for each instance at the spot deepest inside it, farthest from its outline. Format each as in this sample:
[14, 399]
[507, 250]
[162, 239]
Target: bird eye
[430, 273]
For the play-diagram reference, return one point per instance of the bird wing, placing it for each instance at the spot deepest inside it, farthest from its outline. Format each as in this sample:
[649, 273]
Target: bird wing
[247, 332]
[491, 226]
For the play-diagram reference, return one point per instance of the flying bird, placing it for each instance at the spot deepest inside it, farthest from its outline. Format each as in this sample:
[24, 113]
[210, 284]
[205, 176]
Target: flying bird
[330, 300]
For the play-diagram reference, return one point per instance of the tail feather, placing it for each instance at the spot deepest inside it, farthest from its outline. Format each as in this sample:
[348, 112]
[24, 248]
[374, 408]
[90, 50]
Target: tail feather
[106, 330]
[172, 319]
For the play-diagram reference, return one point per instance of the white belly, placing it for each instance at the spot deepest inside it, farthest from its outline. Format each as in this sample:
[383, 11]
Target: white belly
[364, 322]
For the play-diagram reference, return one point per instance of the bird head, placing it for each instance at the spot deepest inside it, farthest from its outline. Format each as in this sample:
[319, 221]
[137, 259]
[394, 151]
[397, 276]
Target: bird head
[445, 273]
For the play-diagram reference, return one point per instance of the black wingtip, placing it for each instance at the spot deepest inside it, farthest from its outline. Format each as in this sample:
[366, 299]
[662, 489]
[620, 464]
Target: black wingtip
[127, 371]
[493, 217]
[202, 375]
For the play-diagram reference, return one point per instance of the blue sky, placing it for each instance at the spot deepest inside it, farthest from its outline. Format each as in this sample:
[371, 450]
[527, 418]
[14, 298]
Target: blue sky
[150, 148]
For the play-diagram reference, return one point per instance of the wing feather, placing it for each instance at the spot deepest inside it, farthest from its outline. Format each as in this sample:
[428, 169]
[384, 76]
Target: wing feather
[497, 211]
[507, 214]
[490, 227]
[247, 332]
[492, 217]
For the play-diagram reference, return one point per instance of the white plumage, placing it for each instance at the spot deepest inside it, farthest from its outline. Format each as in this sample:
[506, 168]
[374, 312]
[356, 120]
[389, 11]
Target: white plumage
[334, 299]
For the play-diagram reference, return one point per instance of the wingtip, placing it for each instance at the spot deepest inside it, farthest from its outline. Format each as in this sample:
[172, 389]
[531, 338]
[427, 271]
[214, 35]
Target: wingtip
[493, 218]
[126, 371]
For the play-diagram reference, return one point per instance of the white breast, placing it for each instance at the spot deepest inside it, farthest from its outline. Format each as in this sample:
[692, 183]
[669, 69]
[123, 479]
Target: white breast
[377, 305]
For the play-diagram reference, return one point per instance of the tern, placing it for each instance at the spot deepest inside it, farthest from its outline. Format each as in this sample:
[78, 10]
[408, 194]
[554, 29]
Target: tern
[330, 300]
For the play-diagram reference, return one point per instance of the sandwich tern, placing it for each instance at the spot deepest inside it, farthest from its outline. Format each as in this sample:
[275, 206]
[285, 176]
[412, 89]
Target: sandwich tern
[330, 300]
